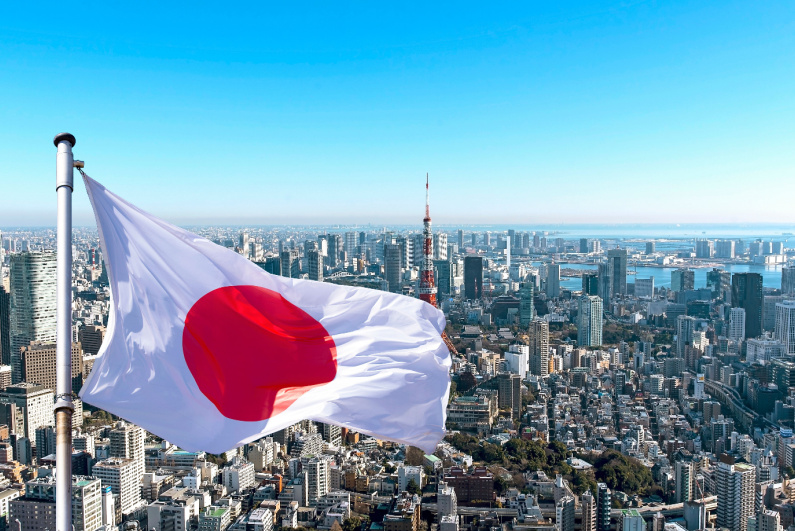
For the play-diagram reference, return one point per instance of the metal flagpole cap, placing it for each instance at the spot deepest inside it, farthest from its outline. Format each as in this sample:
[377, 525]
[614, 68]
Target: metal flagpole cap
[60, 137]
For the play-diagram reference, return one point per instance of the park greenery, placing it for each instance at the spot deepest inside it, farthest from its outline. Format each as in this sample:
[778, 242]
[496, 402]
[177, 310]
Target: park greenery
[618, 471]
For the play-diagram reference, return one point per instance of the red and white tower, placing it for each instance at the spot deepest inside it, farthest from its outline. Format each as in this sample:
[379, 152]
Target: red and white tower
[427, 284]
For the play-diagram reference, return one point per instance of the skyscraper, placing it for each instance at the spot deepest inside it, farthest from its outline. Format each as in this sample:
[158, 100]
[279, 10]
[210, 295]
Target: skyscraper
[617, 268]
[785, 325]
[444, 277]
[32, 303]
[392, 270]
[127, 441]
[685, 479]
[737, 325]
[788, 280]
[553, 280]
[590, 284]
[473, 277]
[5, 327]
[603, 506]
[735, 486]
[539, 347]
[509, 392]
[683, 280]
[333, 249]
[588, 504]
[564, 514]
[685, 326]
[315, 262]
[651, 247]
[589, 321]
[460, 240]
[290, 263]
[525, 303]
[350, 244]
[720, 282]
[604, 283]
[427, 282]
[705, 248]
[747, 294]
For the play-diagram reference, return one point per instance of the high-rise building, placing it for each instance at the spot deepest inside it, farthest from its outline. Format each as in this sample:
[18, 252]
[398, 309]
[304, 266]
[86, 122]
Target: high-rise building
[443, 273]
[127, 441]
[440, 246]
[564, 514]
[122, 476]
[315, 262]
[735, 490]
[36, 509]
[651, 247]
[509, 393]
[460, 234]
[724, 249]
[683, 280]
[705, 248]
[517, 359]
[271, 264]
[604, 283]
[38, 364]
[350, 244]
[539, 347]
[238, 475]
[590, 284]
[32, 303]
[747, 294]
[685, 326]
[427, 286]
[785, 325]
[720, 282]
[553, 280]
[644, 288]
[588, 509]
[473, 277]
[90, 338]
[736, 325]
[589, 321]
[617, 269]
[768, 520]
[446, 500]
[685, 480]
[290, 263]
[392, 269]
[318, 474]
[584, 245]
[632, 520]
[25, 407]
[526, 309]
[334, 244]
[788, 280]
[603, 506]
[5, 326]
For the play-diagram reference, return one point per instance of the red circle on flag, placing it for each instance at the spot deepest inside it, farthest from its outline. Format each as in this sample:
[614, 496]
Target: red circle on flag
[253, 353]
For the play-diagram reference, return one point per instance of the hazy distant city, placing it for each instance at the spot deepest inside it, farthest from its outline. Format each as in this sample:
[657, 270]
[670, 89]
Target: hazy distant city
[603, 378]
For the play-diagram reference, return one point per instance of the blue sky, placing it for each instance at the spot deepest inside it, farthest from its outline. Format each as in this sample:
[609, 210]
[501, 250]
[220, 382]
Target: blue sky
[526, 112]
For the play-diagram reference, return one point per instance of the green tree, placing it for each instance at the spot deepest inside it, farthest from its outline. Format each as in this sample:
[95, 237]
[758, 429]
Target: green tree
[466, 382]
[413, 488]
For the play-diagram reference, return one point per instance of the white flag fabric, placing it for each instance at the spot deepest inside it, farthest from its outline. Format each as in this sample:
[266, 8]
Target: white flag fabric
[207, 350]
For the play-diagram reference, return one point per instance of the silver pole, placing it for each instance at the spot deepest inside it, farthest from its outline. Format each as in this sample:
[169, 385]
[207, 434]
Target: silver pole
[64, 184]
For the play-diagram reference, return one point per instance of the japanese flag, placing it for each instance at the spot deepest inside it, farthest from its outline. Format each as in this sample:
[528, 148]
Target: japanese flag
[207, 350]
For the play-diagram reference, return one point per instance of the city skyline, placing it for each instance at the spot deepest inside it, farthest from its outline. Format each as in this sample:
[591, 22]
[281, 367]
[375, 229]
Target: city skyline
[567, 114]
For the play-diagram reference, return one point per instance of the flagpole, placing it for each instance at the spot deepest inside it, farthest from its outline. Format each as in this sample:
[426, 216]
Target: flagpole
[64, 408]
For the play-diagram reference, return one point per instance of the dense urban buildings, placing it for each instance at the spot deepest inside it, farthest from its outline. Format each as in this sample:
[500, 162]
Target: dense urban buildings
[600, 384]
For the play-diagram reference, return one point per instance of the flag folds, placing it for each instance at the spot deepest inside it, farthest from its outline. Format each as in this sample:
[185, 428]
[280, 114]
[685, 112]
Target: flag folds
[207, 350]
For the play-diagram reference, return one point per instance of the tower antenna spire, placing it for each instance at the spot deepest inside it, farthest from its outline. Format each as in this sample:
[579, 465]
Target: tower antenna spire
[427, 199]
[427, 281]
